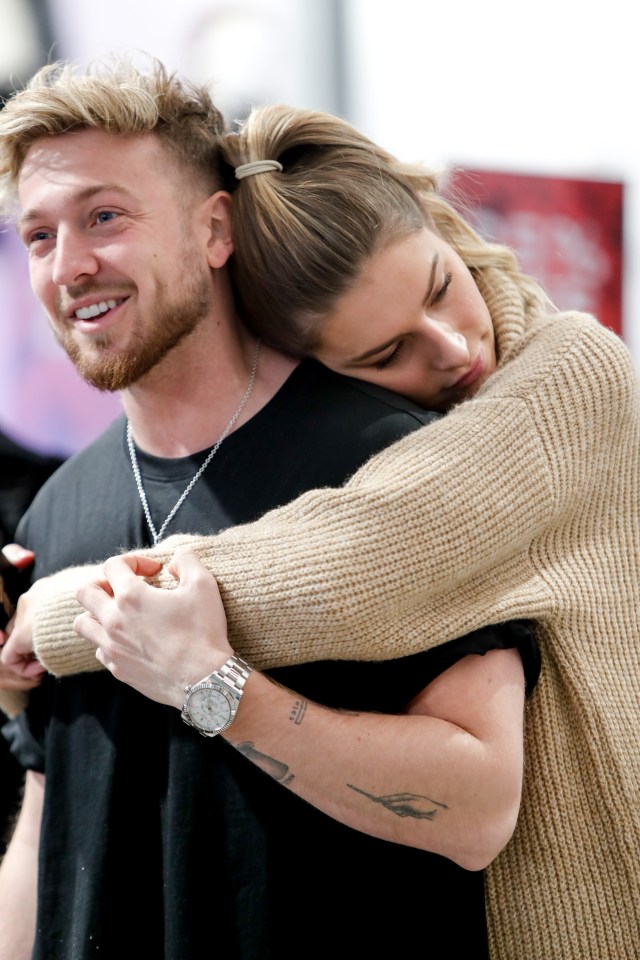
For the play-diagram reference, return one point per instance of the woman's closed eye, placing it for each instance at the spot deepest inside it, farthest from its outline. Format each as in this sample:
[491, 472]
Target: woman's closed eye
[443, 289]
[391, 358]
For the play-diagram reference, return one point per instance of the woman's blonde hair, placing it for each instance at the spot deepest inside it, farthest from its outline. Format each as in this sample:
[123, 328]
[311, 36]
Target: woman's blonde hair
[302, 234]
[118, 97]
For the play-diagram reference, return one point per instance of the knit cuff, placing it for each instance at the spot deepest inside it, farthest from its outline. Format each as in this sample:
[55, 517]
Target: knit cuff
[58, 647]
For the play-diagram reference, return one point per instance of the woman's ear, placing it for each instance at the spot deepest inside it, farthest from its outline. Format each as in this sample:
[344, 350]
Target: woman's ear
[219, 238]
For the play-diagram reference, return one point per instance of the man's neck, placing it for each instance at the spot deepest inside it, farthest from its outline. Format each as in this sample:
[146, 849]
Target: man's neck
[185, 403]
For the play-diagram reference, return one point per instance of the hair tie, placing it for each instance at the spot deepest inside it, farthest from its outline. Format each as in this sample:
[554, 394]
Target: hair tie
[256, 166]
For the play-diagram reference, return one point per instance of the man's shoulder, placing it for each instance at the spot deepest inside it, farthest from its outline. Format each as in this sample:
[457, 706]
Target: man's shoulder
[73, 497]
[352, 407]
[371, 398]
[338, 423]
[316, 431]
[95, 456]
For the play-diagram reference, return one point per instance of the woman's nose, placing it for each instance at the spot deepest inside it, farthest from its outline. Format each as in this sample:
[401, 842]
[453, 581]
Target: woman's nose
[448, 349]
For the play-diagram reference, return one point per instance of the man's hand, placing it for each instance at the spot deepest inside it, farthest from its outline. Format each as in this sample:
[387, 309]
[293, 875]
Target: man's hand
[157, 641]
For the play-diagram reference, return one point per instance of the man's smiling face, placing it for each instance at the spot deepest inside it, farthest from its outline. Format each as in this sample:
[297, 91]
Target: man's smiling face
[113, 253]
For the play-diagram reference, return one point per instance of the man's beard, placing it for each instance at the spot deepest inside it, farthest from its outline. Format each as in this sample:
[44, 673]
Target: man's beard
[173, 320]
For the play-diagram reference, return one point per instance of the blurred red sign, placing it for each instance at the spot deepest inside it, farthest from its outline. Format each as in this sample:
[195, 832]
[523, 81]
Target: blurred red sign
[567, 233]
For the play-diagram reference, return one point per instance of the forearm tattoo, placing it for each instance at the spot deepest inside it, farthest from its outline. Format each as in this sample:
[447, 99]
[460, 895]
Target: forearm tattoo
[275, 768]
[401, 804]
[405, 804]
[298, 711]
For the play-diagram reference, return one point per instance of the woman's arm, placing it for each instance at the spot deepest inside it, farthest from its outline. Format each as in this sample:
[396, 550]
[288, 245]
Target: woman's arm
[445, 776]
[20, 671]
[431, 538]
[402, 545]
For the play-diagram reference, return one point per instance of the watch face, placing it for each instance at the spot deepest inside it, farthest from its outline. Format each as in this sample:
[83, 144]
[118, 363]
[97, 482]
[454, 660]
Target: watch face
[211, 708]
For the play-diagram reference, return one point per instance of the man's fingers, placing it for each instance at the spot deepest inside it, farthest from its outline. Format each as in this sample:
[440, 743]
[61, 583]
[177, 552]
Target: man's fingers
[184, 562]
[146, 566]
[138, 564]
[94, 596]
[88, 628]
[121, 572]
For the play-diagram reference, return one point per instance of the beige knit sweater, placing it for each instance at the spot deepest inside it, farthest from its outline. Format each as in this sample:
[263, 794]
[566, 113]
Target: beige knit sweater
[523, 502]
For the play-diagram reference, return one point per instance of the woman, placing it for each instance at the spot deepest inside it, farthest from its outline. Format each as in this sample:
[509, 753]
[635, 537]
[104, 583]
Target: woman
[522, 502]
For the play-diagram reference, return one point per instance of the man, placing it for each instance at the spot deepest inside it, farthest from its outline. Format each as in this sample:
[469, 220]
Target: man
[156, 841]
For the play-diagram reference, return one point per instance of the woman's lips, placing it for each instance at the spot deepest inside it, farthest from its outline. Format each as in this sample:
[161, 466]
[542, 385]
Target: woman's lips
[473, 374]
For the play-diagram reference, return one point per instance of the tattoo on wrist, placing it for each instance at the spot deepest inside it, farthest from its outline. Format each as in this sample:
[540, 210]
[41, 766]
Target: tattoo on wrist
[275, 768]
[298, 711]
[405, 804]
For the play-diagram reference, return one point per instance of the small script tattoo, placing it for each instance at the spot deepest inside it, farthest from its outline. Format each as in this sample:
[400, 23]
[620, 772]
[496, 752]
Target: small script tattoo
[279, 771]
[405, 804]
[298, 711]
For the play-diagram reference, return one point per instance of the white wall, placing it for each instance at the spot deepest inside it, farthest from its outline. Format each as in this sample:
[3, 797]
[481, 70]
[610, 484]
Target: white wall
[543, 88]
[263, 50]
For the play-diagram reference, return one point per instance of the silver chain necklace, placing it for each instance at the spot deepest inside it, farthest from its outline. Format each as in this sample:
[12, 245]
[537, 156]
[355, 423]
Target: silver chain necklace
[157, 536]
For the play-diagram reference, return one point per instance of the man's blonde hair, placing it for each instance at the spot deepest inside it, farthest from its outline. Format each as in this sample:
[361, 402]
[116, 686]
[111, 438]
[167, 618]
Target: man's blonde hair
[115, 96]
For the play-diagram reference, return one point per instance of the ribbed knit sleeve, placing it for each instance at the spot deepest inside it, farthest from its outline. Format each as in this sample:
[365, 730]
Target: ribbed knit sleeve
[420, 543]
[399, 546]
[389, 564]
[420, 546]
[523, 502]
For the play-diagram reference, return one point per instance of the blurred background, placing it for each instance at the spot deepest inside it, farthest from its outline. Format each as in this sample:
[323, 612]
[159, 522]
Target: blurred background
[531, 107]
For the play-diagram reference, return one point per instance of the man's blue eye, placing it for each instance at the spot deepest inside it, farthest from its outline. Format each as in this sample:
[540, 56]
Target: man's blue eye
[37, 236]
[105, 215]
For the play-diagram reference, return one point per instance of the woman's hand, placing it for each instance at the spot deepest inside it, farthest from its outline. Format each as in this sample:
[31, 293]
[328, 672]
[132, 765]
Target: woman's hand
[19, 669]
[27, 676]
[157, 641]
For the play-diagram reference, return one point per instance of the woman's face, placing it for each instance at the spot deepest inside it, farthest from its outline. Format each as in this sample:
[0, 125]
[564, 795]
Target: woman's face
[413, 322]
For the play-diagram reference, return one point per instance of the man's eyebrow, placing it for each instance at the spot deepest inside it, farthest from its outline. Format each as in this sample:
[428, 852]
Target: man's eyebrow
[428, 295]
[36, 213]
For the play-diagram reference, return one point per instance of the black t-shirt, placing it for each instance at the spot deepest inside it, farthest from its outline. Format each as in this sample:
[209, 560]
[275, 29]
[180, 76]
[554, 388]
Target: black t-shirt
[160, 843]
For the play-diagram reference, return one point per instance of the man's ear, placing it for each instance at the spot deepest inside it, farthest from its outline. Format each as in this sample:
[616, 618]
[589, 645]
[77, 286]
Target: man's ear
[219, 243]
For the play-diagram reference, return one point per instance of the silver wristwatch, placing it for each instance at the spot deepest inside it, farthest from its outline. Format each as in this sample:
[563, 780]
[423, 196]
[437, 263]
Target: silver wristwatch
[211, 705]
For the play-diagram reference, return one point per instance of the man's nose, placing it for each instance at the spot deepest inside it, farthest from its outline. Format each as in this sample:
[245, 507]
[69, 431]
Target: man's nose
[448, 349]
[73, 259]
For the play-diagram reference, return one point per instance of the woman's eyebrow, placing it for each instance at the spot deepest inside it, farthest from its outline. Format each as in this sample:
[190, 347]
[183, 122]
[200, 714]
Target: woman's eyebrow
[383, 346]
[432, 277]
